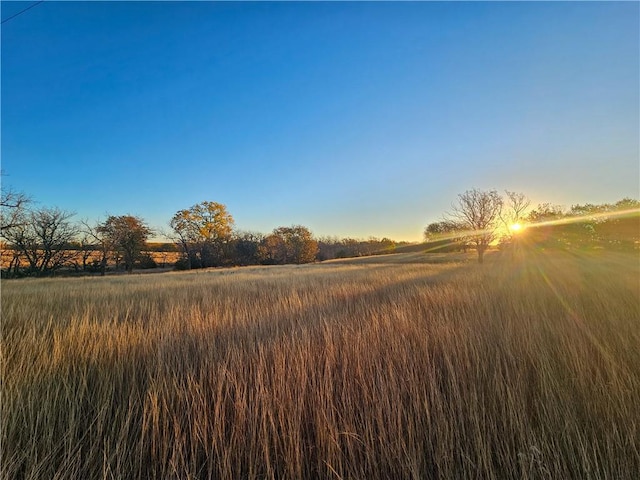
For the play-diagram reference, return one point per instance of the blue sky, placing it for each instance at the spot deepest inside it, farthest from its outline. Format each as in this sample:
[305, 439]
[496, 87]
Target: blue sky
[354, 119]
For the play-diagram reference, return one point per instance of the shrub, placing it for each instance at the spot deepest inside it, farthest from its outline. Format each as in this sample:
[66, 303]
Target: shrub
[146, 261]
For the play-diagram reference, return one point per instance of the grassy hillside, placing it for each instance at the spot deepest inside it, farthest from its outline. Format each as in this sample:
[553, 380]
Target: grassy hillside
[398, 366]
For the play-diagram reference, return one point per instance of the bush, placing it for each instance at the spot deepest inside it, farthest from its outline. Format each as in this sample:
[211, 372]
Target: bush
[182, 264]
[146, 261]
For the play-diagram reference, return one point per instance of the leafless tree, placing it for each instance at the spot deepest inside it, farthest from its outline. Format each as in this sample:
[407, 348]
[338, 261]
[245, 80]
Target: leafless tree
[43, 238]
[100, 240]
[512, 216]
[478, 212]
[514, 209]
[12, 209]
[87, 247]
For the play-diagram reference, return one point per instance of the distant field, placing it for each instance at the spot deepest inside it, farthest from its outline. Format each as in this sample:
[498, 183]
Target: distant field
[161, 258]
[397, 366]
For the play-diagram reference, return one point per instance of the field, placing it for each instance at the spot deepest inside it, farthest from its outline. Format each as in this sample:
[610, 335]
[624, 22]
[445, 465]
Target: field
[162, 259]
[400, 366]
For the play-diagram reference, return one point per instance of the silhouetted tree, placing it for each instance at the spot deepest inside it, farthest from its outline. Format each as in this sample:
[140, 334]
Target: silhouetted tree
[545, 212]
[478, 213]
[513, 216]
[333, 247]
[514, 209]
[102, 240]
[12, 209]
[445, 236]
[85, 249]
[43, 238]
[246, 248]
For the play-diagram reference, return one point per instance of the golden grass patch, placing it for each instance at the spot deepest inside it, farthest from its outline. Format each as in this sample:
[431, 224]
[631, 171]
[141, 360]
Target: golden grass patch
[399, 366]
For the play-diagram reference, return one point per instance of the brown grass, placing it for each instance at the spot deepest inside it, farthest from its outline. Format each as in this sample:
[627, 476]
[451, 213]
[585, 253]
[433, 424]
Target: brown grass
[402, 366]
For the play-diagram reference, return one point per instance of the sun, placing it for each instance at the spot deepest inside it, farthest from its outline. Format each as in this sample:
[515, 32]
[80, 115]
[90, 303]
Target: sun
[515, 227]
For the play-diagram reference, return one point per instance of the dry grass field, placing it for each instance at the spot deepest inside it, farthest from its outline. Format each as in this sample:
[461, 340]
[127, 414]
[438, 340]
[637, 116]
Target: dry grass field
[402, 366]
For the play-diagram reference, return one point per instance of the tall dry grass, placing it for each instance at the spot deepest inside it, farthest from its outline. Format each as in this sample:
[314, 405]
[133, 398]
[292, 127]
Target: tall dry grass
[405, 366]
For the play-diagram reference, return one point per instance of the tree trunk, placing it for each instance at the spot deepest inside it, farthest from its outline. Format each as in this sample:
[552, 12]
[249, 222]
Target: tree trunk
[481, 249]
[103, 264]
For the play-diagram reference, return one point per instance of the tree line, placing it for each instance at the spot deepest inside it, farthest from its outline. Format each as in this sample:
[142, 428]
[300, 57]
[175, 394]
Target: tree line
[42, 240]
[480, 219]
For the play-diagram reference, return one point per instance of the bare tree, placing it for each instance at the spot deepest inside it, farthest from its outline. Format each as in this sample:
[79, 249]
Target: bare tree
[12, 215]
[100, 241]
[12, 209]
[43, 238]
[512, 216]
[514, 209]
[478, 212]
[87, 249]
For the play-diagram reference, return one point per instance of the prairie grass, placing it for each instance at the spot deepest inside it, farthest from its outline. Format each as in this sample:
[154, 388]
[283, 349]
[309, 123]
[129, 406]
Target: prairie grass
[404, 366]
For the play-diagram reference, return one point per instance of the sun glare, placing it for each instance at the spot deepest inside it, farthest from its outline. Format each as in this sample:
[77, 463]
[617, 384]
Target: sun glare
[515, 227]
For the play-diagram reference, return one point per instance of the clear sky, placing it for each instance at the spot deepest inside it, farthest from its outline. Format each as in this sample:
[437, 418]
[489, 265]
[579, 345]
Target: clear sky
[354, 119]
